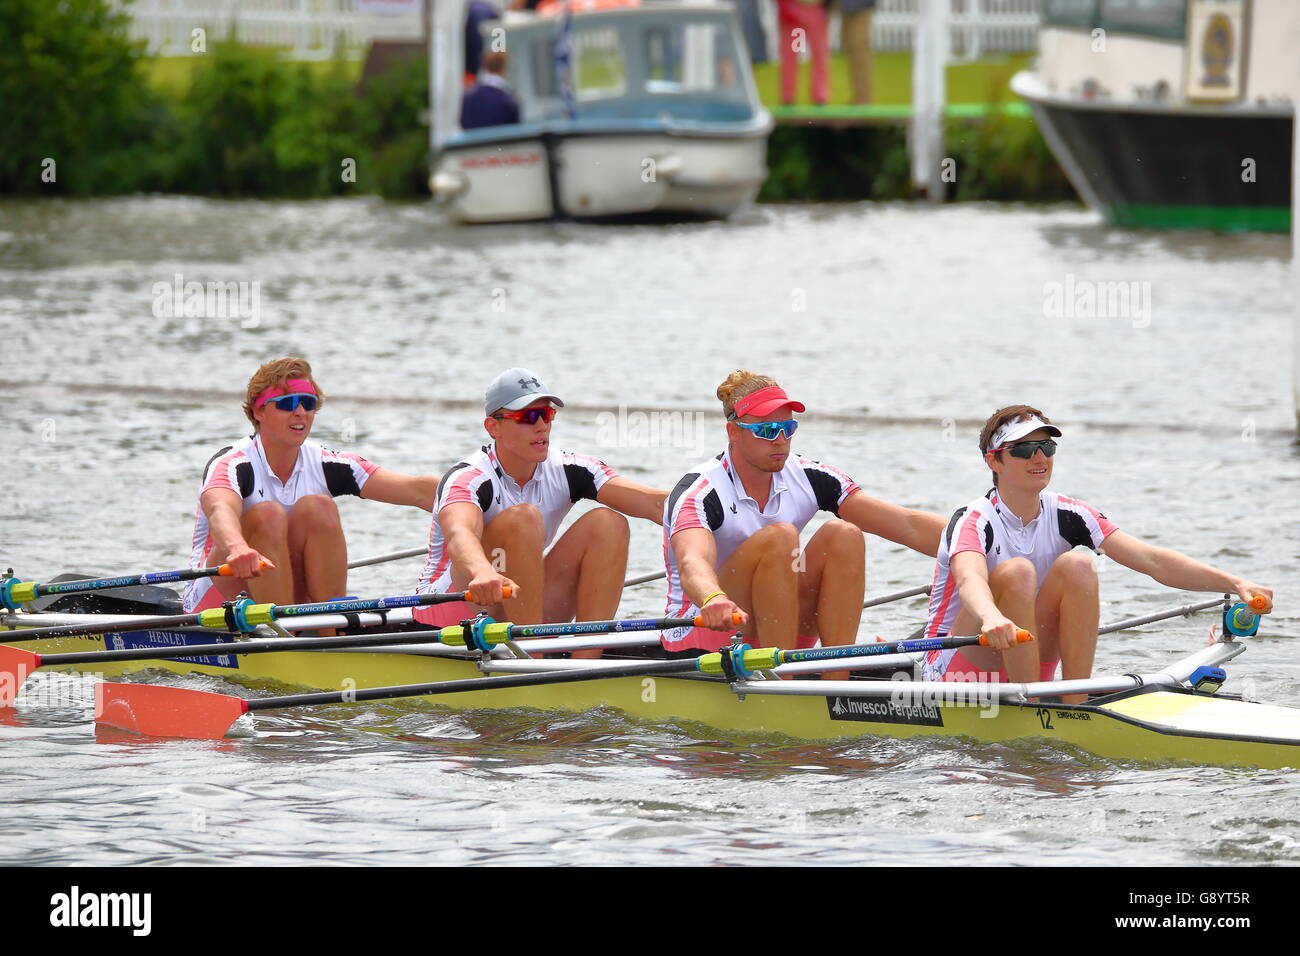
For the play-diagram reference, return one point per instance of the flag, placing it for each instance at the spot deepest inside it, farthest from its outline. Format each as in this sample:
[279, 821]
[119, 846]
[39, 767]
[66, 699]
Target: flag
[563, 62]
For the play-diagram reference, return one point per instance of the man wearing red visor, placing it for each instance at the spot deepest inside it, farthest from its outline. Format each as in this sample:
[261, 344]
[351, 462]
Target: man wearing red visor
[731, 534]
[1008, 560]
[266, 506]
[498, 517]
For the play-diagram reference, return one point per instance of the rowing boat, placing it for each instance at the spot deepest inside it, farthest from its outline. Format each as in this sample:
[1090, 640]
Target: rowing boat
[1157, 716]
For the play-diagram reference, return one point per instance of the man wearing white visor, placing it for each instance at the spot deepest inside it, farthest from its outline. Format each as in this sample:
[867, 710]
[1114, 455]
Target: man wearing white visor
[1007, 561]
[500, 509]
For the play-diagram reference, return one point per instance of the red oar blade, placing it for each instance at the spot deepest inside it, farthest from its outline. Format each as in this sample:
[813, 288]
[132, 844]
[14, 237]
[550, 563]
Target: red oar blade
[160, 711]
[16, 665]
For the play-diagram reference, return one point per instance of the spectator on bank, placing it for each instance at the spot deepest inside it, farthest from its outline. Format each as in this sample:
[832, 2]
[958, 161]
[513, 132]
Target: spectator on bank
[477, 13]
[801, 26]
[490, 102]
[857, 44]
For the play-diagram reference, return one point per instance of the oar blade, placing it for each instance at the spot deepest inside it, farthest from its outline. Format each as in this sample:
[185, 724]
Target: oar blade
[16, 665]
[159, 711]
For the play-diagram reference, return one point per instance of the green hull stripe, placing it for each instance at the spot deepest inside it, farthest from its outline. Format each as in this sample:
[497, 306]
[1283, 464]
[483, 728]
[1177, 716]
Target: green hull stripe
[1220, 218]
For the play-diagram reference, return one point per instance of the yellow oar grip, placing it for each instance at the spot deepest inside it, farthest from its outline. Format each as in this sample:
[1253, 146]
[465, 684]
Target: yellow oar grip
[23, 591]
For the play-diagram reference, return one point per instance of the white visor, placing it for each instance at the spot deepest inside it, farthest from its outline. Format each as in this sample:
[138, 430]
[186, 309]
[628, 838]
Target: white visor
[1013, 431]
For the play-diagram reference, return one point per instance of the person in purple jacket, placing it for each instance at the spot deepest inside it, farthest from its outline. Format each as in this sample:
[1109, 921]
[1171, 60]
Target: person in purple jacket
[490, 102]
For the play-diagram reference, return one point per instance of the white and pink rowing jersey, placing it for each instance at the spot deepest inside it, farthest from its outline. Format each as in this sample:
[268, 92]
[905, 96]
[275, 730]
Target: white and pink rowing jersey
[242, 468]
[989, 527]
[559, 482]
[712, 497]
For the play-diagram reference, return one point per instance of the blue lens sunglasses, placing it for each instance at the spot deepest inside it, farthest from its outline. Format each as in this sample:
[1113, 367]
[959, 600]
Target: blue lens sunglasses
[770, 431]
[290, 403]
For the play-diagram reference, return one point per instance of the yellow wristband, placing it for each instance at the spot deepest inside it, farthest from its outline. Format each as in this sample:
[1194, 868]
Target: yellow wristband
[711, 597]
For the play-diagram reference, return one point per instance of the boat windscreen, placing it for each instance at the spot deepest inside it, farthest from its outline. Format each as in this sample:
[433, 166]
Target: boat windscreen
[647, 68]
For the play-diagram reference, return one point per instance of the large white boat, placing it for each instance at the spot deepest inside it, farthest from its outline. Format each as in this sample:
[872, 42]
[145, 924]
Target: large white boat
[660, 119]
[1171, 113]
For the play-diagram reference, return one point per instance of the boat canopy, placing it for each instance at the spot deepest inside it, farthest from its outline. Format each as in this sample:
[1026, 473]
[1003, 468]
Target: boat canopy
[662, 62]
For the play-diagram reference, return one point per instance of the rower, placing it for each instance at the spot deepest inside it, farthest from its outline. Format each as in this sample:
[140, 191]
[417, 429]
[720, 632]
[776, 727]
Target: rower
[731, 534]
[500, 509]
[1008, 560]
[266, 506]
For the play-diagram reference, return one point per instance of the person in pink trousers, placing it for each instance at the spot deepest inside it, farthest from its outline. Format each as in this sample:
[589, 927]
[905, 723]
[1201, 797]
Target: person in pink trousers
[801, 25]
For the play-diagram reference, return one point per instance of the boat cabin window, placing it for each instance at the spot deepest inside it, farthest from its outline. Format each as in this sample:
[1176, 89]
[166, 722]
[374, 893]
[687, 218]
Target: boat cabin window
[1070, 13]
[598, 67]
[1158, 18]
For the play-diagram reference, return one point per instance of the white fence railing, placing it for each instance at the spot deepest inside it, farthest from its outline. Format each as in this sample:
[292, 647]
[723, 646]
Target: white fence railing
[318, 29]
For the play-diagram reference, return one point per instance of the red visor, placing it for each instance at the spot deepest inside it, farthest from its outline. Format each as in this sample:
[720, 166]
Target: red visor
[764, 402]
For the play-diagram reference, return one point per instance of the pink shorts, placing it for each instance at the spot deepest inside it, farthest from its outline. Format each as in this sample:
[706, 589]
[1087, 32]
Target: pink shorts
[955, 666]
[444, 615]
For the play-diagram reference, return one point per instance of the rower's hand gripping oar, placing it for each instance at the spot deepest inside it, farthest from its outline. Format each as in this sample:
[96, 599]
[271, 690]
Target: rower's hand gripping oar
[14, 593]
[163, 711]
[1242, 618]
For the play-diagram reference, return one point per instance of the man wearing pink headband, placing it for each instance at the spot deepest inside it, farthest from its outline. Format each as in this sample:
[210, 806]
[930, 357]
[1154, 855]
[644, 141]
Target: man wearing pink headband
[731, 534]
[1008, 560]
[266, 506]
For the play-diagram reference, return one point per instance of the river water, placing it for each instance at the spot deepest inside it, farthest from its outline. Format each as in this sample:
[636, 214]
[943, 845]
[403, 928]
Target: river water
[1166, 358]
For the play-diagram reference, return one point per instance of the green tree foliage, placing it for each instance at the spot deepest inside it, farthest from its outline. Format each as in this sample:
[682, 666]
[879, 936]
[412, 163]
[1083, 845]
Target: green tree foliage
[70, 92]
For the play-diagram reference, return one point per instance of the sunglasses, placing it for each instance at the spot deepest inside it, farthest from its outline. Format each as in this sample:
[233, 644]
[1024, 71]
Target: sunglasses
[1026, 449]
[770, 431]
[290, 403]
[529, 416]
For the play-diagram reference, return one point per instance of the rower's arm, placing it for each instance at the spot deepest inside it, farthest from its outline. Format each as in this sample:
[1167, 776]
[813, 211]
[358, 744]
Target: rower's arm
[918, 530]
[697, 554]
[634, 499]
[225, 510]
[970, 572]
[1174, 569]
[395, 488]
[462, 530]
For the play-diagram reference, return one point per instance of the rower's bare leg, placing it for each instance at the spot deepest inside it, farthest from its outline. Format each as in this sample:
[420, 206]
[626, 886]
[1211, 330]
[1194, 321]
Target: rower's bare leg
[1013, 584]
[265, 527]
[513, 542]
[832, 581]
[1067, 611]
[317, 550]
[761, 578]
[584, 571]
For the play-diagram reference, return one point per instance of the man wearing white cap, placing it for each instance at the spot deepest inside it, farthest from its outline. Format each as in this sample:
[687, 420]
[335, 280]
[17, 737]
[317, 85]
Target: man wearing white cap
[498, 511]
[1007, 560]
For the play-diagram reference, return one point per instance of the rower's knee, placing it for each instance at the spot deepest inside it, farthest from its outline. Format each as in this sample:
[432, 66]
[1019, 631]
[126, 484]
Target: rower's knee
[520, 521]
[609, 527]
[843, 538]
[316, 512]
[1016, 576]
[1077, 568]
[267, 520]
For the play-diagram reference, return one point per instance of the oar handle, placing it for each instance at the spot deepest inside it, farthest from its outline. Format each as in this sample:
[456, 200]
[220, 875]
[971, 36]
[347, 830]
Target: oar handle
[1260, 604]
[1022, 637]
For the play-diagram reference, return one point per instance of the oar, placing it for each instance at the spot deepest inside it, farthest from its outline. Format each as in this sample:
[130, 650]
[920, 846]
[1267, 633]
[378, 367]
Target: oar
[896, 596]
[381, 558]
[15, 593]
[1184, 611]
[240, 616]
[17, 664]
[162, 711]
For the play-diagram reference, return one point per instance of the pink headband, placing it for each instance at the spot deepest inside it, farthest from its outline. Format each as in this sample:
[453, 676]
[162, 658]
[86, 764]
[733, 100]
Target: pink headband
[767, 399]
[294, 386]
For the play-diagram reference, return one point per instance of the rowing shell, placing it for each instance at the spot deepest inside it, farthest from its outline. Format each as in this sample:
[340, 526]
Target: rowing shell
[1162, 720]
